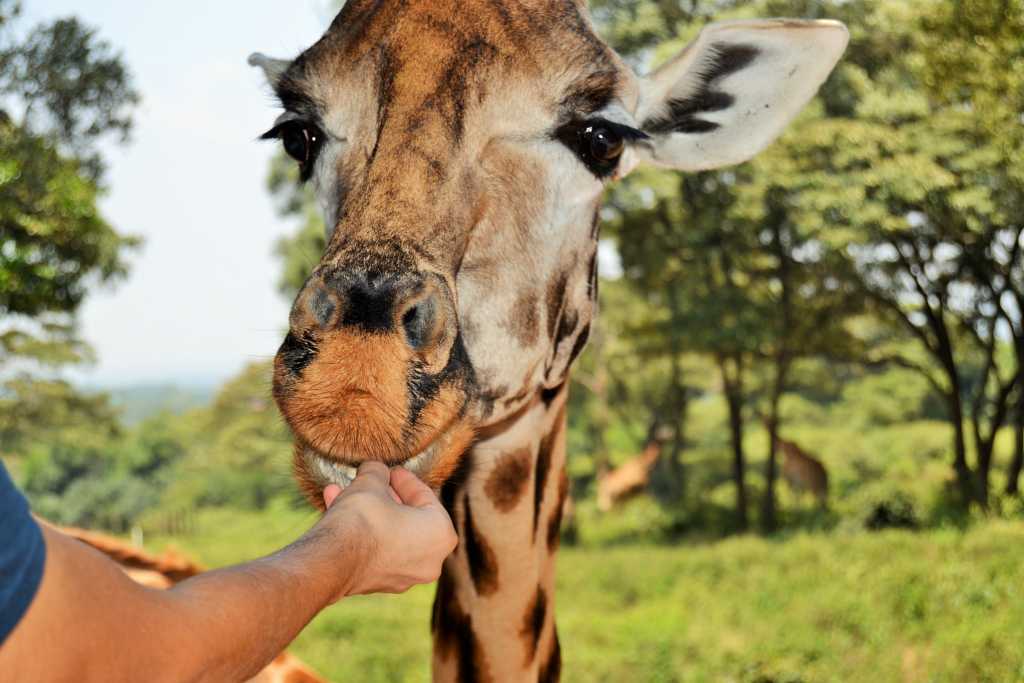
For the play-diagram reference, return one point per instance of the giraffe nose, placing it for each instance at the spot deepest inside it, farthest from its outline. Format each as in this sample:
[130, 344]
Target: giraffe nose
[417, 306]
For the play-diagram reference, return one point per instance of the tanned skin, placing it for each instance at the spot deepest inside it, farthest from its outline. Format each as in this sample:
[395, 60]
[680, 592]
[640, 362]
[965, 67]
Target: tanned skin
[89, 622]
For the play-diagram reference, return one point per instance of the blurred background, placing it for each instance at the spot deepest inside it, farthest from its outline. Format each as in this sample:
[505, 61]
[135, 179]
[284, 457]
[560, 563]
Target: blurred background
[796, 437]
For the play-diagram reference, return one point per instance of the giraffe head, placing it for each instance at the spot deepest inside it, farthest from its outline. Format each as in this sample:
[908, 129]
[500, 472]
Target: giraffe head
[459, 150]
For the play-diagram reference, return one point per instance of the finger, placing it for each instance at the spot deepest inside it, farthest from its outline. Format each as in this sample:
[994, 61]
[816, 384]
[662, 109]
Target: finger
[331, 493]
[394, 496]
[373, 474]
[411, 489]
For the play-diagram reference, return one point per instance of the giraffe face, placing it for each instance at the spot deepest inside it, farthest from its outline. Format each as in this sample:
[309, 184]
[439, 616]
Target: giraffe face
[459, 151]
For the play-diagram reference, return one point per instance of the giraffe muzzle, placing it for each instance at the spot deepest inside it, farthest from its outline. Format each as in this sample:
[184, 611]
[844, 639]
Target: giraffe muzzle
[373, 368]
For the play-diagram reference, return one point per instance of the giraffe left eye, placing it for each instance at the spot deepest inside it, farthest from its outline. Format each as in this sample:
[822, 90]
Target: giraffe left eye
[606, 145]
[598, 143]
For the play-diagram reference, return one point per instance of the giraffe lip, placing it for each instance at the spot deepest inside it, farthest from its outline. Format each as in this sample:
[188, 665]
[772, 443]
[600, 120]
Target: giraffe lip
[331, 470]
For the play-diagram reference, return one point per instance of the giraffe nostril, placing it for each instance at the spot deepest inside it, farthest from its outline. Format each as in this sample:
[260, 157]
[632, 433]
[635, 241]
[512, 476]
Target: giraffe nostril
[419, 323]
[322, 307]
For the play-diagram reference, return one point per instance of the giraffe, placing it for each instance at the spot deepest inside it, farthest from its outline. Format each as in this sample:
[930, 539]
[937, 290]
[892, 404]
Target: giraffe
[802, 471]
[459, 151]
[632, 477]
[162, 572]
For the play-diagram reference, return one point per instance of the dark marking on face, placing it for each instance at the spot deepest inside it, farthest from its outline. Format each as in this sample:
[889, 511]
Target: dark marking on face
[581, 342]
[489, 397]
[450, 98]
[683, 114]
[483, 565]
[297, 353]
[551, 670]
[387, 67]
[591, 93]
[566, 326]
[533, 623]
[555, 523]
[524, 322]
[424, 387]
[592, 277]
[507, 482]
[555, 301]
[548, 396]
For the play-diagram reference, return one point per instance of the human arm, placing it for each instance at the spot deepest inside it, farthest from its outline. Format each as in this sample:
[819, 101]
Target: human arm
[90, 622]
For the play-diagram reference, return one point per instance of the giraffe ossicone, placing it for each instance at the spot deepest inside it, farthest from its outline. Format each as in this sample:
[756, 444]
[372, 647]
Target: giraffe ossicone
[459, 151]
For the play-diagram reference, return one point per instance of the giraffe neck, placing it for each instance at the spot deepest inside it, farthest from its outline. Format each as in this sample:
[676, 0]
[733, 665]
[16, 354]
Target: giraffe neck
[494, 612]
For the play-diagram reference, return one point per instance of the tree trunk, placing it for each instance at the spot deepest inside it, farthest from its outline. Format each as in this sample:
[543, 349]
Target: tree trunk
[769, 516]
[1017, 464]
[733, 387]
[678, 406]
[960, 467]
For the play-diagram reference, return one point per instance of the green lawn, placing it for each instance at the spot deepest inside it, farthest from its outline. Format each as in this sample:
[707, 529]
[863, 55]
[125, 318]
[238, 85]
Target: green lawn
[894, 606]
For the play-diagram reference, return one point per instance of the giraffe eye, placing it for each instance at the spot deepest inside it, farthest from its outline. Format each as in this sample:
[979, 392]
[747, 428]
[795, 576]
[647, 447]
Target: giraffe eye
[606, 145]
[301, 141]
[598, 143]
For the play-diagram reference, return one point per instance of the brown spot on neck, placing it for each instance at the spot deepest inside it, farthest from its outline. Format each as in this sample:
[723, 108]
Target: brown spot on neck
[507, 483]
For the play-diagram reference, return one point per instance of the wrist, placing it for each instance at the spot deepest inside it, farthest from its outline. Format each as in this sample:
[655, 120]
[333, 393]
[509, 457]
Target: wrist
[339, 554]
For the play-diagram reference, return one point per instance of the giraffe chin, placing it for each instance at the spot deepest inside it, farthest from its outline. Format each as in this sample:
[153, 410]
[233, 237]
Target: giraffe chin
[434, 465]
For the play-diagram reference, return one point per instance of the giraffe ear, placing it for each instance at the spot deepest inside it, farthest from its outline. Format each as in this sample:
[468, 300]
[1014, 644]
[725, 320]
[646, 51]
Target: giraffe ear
[734, 89]
[272, 68]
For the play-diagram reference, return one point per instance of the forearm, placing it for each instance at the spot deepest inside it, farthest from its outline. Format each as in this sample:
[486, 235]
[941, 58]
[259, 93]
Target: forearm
[221, 626]
[244, 616]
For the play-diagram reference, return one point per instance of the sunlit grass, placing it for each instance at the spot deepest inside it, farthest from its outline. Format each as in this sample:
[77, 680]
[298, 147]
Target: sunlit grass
[940, 605]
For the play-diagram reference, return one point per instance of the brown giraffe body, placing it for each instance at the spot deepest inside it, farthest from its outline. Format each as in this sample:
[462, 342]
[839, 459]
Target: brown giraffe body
[162, 572]
[631, 477]
[802, 471]
[459, 151]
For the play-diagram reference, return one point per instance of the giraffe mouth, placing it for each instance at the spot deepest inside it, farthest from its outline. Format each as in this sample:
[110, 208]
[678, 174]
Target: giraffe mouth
[332, 470]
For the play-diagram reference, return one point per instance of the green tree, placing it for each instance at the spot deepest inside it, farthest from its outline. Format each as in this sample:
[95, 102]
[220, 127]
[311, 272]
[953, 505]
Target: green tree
[919, 186]
[62, 90]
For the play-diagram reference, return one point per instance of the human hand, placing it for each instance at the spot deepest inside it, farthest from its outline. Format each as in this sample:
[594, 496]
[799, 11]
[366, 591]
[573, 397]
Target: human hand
[400, 531]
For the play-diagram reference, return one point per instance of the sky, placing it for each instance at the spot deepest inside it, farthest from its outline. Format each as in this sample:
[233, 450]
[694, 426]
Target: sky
[200, 301]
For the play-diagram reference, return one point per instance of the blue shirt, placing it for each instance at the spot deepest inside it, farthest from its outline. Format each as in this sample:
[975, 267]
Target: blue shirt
[22, 556]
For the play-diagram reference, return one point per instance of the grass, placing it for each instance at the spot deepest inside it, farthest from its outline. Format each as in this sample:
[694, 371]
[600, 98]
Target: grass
[941, 605]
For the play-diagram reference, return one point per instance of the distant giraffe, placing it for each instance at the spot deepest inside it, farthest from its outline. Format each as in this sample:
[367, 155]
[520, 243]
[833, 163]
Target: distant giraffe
[459, 151]
[633, 476]
[162, 572]
[802, 471]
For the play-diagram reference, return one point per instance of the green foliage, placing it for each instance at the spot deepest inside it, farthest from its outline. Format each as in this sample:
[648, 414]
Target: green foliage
[53, 237]
[239, 448]
[69, 85]
[62, 90]
[101, 478]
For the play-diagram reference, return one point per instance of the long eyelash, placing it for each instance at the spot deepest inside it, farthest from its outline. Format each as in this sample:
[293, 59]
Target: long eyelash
[277, 133]
[570, 135]
[628, 133]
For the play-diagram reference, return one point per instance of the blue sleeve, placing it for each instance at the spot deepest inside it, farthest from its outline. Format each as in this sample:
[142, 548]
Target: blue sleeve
[22, 556]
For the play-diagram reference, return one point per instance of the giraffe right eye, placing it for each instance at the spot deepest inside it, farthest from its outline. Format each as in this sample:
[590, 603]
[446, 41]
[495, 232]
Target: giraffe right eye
[301, 141]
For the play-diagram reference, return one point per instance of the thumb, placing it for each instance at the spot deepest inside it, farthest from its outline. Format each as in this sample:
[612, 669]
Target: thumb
[373, 475]
[331, 494]
[411, 488]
